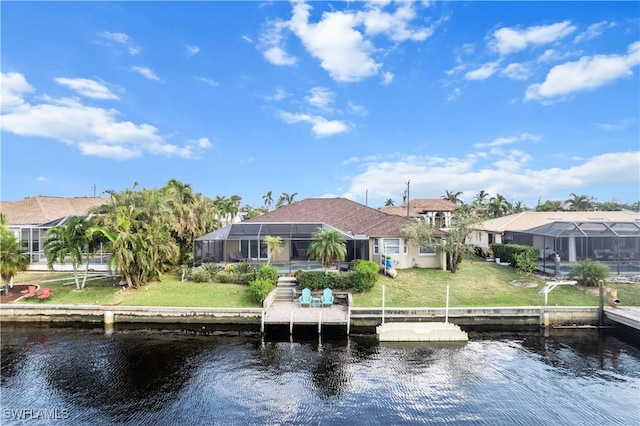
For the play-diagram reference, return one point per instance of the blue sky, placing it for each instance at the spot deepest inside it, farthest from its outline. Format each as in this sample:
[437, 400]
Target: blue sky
[532, 100]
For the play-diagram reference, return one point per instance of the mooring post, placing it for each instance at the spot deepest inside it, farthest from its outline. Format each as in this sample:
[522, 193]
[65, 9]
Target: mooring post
[348, 318]
[109, 320]
[446, 309]
[382, 304]
[262, 323]
[600, 304]
[291, 324]
[320, 323]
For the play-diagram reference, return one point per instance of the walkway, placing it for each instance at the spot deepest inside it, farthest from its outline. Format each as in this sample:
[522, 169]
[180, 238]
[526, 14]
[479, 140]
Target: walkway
[626, 315]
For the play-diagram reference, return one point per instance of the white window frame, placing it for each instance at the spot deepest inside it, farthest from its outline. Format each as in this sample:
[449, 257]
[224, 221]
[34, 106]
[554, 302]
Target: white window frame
[432, 251]
[396, 245]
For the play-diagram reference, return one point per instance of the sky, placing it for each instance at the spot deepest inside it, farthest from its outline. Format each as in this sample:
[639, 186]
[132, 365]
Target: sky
[530, 100]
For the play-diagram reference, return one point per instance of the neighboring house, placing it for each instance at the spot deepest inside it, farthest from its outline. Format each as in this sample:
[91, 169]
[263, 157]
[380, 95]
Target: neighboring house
[434, 211]
[612, 237]
[368, 233]
[30, 218]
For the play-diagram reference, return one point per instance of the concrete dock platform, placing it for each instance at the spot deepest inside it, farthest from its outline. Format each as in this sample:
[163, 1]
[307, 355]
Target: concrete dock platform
[420, 332]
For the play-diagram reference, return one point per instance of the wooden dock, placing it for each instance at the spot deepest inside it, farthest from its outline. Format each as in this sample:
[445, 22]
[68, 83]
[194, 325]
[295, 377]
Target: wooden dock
[629, 316]
[420, 332]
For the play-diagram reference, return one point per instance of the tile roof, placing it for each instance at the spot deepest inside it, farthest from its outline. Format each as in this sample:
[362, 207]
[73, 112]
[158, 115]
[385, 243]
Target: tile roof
[42, 209]
[527, 220]
[420, 206]
[340, 213]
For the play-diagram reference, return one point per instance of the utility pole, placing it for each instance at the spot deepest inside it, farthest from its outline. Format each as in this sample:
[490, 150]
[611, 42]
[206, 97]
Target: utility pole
[408, 198]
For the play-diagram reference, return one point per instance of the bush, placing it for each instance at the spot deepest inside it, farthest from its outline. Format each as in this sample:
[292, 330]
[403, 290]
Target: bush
[212, 268]
[508, 252]
[268, 272]
[200, 275]
[313, 280]
[525, 264]
[365, 275]
[243, 268]
[260, 289]
[232, 277]
[338, 280]
[587, 272]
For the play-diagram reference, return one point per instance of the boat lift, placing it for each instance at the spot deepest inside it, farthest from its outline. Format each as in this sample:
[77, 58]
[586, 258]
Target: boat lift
[550, 286]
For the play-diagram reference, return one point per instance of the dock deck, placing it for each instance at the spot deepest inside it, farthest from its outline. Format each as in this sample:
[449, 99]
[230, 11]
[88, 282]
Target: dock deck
[629, 316]
[283, 312]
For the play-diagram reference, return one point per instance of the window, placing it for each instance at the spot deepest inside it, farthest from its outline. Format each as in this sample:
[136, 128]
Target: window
[426, 251]
[391, 245]
[405, 246]
[376, 246]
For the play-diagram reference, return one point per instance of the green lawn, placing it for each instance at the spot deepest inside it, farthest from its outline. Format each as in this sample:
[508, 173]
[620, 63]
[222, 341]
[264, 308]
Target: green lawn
[476, 283]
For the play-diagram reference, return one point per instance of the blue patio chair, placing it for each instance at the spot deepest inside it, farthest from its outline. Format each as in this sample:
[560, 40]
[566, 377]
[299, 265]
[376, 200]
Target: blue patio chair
[327, 297]
[305, 299]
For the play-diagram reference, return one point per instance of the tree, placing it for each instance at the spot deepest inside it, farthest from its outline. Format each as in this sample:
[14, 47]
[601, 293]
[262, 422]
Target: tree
[71, 240]
[286, 199]
[579, 202]
[549, 206]
[268, 200]
[454, 197]
[498, 206]
[389, 203]
[275, 246]
[480, 197]
[13, 258]
[453, 241]
[587, 272]
[328, 245]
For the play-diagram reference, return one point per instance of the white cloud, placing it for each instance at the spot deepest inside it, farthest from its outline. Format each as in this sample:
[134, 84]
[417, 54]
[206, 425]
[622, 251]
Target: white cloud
[357, 109]
[320, 126]
[500, 141]
[387, 78]
[620, 124]
[507, 174]
[123, 39]
[89, 88]
[191, 49]
[146, 72]
[247, 39]
[43, 179]
[484, 72]
[588, 73]
[211, 82]
[394, 25]
[279, 95]
[320, 98]
[509, 40]
[271, 44]
[277, 56]
[91, 130]
[594, 30]
[516, 71]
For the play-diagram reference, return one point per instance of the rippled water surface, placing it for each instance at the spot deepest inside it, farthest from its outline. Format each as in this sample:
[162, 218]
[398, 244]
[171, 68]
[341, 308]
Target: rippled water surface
[176, 377]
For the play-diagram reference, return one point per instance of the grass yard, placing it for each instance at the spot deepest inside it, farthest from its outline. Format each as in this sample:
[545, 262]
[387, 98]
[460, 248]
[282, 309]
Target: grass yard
[476, 283]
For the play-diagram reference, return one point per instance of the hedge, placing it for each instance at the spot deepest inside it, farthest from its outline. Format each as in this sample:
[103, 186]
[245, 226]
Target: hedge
[508, 252]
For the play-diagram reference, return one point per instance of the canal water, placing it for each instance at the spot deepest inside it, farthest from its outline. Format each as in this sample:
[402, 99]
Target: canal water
[203, 377]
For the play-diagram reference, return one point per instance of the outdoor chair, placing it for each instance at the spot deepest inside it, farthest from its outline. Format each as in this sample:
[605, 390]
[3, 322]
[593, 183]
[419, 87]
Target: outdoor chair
[45, 294]
[305, 299]
[327, 297]
[31, 292]
[236, 256]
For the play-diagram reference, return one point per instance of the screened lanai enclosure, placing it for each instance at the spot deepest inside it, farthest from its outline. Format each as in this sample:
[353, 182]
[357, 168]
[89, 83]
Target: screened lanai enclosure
[245, 242]
[616, 244]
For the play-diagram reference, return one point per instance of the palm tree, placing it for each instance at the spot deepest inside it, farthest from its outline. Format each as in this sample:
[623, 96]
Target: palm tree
[454, 197]
[327, 245]
[275, 246]
[389, 203]
[268, 200]
[286, 199]
[13, 257]
[499, 206]
[480, 196]
[549, 206]
[71, 240]
[579, 202]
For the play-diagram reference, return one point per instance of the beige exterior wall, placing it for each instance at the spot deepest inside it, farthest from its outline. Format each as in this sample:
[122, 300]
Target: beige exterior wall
[412, 257]
[481, 238]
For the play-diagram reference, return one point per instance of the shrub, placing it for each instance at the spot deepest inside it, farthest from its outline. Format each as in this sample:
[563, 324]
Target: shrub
[267, 272]
[365, 275]
[508, 252]
[587, 272]
[243, 268]
[297, 273]
[200, 275]
[232, 277]
[260, 289]
[212, 268]
[228, 269]
[525, 264]
[338, 280]
[313, 280]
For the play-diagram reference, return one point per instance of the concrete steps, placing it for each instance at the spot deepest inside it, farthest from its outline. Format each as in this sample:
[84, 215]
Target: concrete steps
[286, 289]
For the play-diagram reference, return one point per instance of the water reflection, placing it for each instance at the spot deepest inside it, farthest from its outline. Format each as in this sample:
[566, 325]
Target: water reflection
[202, 377]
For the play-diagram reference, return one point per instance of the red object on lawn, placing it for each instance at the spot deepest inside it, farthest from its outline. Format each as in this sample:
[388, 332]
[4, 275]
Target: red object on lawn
[45, 294]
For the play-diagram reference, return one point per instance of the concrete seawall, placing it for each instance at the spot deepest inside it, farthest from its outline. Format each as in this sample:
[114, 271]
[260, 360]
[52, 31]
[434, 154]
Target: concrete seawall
[360, 317]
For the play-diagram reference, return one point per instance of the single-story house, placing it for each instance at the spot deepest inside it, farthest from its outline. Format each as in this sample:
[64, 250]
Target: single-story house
[369, 233]
[30, 218]
[612, 237]
[434, 211]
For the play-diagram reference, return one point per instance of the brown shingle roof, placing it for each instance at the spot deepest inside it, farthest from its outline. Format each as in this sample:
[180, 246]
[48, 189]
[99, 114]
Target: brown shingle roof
[41, 209]
[340, 213]
[420, 206]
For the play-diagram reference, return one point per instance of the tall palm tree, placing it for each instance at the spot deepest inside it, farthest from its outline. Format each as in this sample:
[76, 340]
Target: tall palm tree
[13, 257]
[389, 203]
[579, 202]
[549, 206]
[327, 245]
[498, 206]
[70, 240]
[286, 199]
[268, 200]
[454, 197]
[480, 196]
